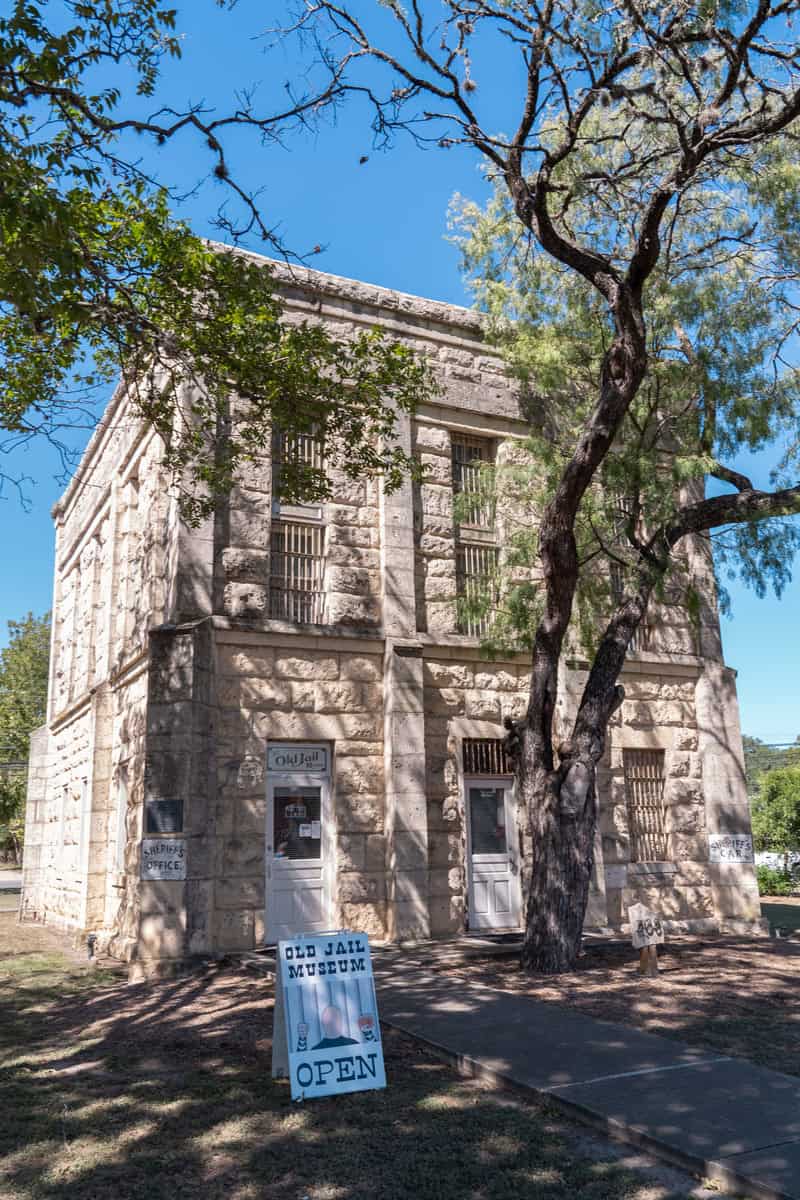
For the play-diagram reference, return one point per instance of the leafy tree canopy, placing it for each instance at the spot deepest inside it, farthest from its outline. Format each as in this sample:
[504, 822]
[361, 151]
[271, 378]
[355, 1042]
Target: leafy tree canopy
[23, 707]
[23, 685]
[721, 306]
[761, 758]
[776, 811]
[97, 278]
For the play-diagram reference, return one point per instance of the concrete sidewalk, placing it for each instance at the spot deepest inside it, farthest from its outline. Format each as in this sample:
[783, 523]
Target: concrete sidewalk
[720, 1118]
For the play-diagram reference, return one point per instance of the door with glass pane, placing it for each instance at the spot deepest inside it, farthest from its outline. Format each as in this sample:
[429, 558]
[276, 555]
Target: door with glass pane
[495, 900]
[297, 856]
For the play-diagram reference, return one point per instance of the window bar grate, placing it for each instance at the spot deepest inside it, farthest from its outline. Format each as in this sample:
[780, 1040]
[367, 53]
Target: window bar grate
[486, 756]
[475, 568]
[644, 791]
[469, 456]
[297, 567]
[298, 449]
[642, 635]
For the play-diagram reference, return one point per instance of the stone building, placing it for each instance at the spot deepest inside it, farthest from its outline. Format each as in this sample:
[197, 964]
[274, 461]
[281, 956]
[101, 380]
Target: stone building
[275, 723]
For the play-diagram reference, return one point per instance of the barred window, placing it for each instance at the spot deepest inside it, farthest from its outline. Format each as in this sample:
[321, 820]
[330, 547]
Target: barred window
[486, 756]
[476, 565]
[296, 572]
[469, 456]
[644, 792]
[476, 549]
[642, 637]
[298, 450]
[297, 538]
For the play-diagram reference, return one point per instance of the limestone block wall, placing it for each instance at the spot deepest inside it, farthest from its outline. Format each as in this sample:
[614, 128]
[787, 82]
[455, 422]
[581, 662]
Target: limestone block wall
[273, 689]
[35, 860]
[118, 860]
[352, 580]
[464, 697]
[64, 824]
[434, 536]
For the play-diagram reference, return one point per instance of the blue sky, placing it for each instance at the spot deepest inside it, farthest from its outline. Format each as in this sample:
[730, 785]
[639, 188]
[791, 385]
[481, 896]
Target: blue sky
[384, 222]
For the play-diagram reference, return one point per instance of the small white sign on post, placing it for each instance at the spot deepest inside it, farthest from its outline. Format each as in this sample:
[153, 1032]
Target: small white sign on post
[163, 858]
[646, 927]
[326, 1033]
[730, 848]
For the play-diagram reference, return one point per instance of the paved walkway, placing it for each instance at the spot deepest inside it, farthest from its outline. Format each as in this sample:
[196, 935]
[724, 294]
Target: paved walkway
[720, 1118]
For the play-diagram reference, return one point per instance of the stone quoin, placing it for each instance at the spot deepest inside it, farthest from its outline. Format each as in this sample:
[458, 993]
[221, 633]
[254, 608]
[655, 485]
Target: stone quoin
[290, 696]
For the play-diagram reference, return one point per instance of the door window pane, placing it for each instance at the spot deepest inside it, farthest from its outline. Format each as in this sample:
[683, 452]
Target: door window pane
[297, 815]
[487, 814]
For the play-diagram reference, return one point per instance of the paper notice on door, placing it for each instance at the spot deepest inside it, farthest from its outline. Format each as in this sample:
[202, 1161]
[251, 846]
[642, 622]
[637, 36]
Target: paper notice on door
[305, 831]
[316, 829]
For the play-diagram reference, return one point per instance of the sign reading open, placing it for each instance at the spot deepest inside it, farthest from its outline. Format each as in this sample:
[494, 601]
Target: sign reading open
[326, 1036]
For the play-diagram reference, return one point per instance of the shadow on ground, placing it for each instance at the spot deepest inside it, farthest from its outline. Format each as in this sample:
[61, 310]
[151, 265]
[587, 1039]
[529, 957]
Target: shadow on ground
[164, 1090]
[734, 996]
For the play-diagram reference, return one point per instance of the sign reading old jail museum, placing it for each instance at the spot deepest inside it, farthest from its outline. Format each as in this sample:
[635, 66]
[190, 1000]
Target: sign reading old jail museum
[163, 858]
[327, 1036]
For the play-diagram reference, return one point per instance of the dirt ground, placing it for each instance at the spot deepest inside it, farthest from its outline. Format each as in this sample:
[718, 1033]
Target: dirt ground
[113, 1091]
[738, 997]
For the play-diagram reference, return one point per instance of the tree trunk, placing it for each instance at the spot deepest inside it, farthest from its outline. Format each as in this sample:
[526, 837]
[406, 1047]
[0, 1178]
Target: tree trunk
[563, 818]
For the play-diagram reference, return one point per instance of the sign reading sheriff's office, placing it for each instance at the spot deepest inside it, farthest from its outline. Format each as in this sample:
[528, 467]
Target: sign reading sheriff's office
[327, 1036]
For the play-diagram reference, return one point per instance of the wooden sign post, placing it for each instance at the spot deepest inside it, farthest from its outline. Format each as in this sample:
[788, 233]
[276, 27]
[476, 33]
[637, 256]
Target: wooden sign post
[647, 932]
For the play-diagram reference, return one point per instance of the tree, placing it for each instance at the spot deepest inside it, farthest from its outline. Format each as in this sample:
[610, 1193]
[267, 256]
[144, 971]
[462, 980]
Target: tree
[24, 665]
[652, 157]
[97, 279]
[776, 812]
[760, 758]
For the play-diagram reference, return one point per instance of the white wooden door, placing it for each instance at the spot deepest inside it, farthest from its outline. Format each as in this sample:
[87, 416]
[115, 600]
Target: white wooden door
[297, 856]
[495, 900]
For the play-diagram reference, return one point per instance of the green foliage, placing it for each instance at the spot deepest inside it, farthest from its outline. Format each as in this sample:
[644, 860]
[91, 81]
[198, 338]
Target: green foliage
[23, 685]
[717, 385]
[23, 707]
[776, 811]
[759, 757]
[97, 279]
[772, 882]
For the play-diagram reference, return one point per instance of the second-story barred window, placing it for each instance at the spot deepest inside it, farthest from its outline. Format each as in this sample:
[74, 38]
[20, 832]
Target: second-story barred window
[476, 540]
[642, 636]
[297, 538]
[470, 456]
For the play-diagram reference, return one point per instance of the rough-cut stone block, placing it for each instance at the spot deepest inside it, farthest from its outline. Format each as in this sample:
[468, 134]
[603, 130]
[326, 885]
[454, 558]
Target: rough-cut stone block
[343, 697]
[368, 917]
[351, 852]
[313, 667]
[740, 902]
[246, 566]
[359, 774]
[240, 893]
[359, 667]
[447, 674]
[496, 681]
[357, 888]
[433, 439]
[249, 527]
[483, 705]
[359, 813]
[354, 581]
[251, 661]
[235, 930]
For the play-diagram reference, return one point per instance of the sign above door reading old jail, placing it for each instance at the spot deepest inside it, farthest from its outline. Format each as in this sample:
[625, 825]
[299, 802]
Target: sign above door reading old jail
[312, 759]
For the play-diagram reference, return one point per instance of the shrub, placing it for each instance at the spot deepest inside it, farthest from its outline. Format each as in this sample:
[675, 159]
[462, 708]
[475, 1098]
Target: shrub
[772, 882]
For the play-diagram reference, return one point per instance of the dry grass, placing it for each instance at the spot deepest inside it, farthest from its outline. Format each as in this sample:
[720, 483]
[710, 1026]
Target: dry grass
[738, 997]
[111, 1091]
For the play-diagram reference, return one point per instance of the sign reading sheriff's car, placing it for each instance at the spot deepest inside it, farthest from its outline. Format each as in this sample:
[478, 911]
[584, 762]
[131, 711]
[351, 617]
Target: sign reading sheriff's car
[326, 1035]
